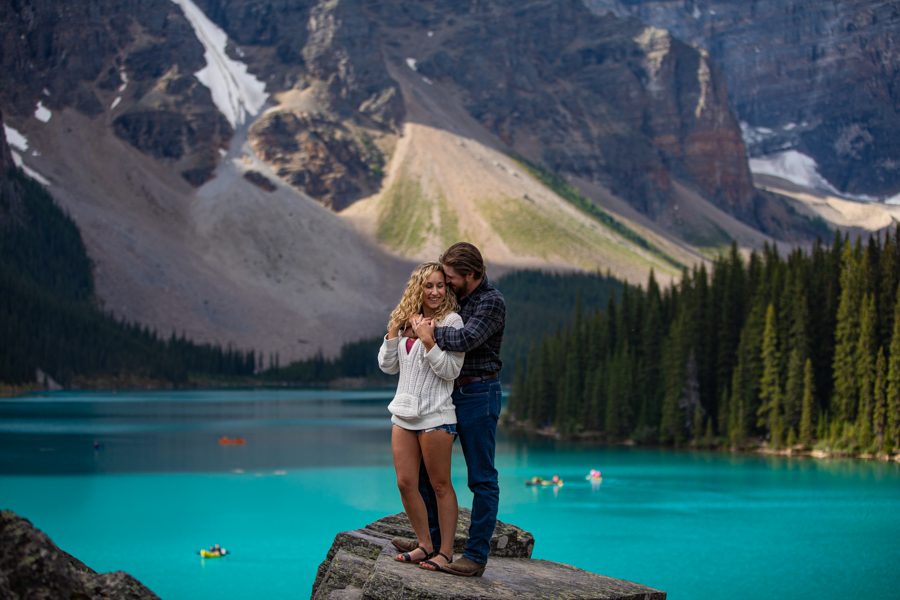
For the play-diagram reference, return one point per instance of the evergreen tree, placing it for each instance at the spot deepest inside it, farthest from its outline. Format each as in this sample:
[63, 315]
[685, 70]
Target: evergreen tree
[879, 410]
[846, 386]
[672, 418]
[893, 384]
[652, 334]
[770, 392]
[689, 402]
[809, 405]
[865, 370]
[737, 429]
[794, 390]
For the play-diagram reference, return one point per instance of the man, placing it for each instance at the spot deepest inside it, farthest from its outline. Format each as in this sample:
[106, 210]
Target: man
[476, 396]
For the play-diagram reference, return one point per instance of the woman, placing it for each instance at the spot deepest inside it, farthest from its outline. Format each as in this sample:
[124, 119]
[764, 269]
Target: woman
[423, 414]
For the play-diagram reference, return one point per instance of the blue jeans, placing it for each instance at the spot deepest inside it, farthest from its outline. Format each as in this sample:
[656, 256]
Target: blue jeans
[477, 411]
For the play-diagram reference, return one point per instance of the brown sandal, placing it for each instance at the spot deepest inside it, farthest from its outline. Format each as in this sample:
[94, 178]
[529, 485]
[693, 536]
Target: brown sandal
[408, 559]
[436, 566]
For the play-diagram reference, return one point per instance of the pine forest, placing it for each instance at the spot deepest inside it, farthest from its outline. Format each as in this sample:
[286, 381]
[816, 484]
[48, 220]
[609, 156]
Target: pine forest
[792, 352]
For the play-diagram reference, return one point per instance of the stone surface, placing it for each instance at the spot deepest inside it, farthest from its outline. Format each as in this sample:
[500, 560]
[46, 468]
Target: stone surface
[331, 161]
[361, 565]
[507, 540]
[177, 123]
[31, 566]
[822, 76]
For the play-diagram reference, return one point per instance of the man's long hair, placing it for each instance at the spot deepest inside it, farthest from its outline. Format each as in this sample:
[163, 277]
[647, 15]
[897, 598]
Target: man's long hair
[464, 258]
[411, 302]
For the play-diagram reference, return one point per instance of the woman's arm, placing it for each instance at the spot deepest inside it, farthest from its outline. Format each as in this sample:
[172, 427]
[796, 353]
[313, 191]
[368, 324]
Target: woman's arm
[388, 356]
[445, 364]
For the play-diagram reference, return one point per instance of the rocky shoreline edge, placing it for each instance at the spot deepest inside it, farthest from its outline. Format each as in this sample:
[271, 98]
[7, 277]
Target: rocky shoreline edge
[32, 566]
[597, 437]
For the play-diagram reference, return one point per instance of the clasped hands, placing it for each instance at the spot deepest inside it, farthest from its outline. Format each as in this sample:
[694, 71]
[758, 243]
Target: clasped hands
[421, 327]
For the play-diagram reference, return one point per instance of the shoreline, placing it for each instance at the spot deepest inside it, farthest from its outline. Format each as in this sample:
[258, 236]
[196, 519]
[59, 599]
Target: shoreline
[599, 438]
[139, 384]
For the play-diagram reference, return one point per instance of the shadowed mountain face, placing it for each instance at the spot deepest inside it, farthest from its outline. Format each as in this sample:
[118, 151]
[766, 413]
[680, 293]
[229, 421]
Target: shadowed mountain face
[822, 76]
[90, 55]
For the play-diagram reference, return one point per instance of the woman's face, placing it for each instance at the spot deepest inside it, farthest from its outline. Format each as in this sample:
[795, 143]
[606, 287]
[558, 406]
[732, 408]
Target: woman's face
[434, 292]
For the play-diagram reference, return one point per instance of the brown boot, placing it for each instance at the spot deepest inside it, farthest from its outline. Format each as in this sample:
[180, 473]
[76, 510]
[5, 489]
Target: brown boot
[465, 568]
[404, 545]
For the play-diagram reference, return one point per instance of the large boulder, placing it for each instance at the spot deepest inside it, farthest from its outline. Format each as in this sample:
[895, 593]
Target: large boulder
[360, 564]
[31, 566]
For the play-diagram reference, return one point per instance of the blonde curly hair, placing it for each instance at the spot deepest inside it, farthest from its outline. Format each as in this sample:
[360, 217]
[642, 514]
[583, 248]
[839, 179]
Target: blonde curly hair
[411, 302]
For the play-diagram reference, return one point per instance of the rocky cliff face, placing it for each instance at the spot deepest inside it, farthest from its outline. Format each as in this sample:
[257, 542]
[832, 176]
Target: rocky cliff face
[819, 77]
[5, 157]
[137, 58]
[31, 566]
[613, 101]
[607, 99]
[325, 140]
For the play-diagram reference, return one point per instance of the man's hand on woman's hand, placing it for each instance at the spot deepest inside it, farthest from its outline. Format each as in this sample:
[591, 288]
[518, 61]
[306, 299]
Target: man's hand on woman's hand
[409, 328]
[424, 328]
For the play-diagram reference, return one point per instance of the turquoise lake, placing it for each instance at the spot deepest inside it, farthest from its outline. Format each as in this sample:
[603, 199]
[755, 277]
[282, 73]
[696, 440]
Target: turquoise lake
[698, 525]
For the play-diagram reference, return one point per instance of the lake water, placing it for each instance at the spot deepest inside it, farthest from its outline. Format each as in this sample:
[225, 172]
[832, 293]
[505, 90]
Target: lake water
[697, 525]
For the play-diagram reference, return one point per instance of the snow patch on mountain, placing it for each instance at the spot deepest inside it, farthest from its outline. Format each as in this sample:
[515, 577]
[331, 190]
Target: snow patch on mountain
[42, 113]
[20, 143]
[15, 139]
[802, 170]
[236, 93]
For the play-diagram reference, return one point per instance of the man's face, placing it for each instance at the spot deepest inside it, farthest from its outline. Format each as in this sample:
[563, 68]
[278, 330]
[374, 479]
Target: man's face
[459, 284]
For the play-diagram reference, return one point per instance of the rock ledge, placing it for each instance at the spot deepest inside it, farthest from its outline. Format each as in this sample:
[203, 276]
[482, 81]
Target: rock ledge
[360, 566]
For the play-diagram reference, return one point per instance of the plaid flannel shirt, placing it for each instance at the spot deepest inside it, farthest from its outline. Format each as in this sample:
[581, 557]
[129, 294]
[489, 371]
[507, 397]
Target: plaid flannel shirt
[483, 312]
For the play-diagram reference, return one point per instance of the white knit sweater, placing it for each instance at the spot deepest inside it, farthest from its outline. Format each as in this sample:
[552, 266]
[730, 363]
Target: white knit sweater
[423, 394]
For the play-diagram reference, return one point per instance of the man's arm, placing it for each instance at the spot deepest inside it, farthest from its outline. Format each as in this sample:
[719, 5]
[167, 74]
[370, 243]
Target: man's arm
[488, 319]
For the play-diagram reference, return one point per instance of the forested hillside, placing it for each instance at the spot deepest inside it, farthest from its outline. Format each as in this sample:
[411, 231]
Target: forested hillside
[48, 319]
[537, 304]
[789, 350]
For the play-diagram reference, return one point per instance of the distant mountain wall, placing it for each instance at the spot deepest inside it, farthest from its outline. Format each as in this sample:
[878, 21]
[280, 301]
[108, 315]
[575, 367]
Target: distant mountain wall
[608, 99]
[820, 77]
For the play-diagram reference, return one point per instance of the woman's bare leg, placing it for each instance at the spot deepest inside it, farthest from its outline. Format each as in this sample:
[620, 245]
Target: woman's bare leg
[437, 448]
[407, 457]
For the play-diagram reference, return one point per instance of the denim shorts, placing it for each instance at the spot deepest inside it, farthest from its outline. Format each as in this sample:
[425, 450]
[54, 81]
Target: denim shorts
[451, 429]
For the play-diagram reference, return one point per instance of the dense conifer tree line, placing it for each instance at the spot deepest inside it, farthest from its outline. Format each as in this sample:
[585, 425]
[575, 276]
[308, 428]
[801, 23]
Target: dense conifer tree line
[356, 360]
[791, 350]
[48, 317]
[537, 303]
